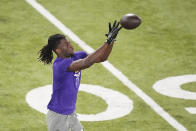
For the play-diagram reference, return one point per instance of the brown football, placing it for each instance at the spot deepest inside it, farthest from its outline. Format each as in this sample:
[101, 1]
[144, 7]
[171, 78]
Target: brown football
[130, 21]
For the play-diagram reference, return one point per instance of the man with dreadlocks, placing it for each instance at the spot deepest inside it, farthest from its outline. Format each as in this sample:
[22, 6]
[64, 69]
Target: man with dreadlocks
[67, 67]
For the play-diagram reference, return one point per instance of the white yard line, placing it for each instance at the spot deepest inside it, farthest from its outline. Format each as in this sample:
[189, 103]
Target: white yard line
[118, 74]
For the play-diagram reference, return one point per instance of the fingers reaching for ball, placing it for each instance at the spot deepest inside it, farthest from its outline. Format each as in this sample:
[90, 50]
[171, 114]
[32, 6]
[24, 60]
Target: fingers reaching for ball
[128, 21]
[113, 32]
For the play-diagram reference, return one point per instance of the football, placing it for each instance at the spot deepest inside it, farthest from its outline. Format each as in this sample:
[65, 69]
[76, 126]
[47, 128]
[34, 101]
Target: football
[130, 21]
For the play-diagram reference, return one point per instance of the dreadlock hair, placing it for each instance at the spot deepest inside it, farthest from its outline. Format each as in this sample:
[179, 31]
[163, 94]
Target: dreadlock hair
[46, 54]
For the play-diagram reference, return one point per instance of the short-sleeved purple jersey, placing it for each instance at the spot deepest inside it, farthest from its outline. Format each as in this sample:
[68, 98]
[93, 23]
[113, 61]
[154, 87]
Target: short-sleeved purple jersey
[65, 85]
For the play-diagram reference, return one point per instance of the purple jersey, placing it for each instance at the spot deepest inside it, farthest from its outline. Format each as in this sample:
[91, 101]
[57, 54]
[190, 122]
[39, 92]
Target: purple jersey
[65, 85]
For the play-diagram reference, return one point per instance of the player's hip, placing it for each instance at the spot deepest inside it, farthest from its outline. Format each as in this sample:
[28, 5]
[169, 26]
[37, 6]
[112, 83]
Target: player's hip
[60, 122]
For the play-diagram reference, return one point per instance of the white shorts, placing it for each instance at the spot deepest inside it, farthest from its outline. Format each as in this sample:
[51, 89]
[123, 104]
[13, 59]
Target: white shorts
[60, 122]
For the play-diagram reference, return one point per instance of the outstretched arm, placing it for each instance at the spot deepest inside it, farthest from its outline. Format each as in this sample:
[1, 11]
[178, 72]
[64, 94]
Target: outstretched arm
[100, 55]
[106, 52]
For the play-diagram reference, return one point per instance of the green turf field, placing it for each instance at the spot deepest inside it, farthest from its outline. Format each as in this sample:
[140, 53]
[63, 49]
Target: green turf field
[164, 45]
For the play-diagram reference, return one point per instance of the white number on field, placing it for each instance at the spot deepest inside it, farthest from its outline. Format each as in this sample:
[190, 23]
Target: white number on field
[119, 104]
[171, 87]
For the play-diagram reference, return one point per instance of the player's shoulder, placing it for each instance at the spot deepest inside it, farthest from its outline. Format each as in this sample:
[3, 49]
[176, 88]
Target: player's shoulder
[59, 60]
[81, 54]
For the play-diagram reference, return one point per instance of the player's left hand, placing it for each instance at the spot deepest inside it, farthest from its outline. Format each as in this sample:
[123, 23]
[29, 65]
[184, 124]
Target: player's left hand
[113, 32]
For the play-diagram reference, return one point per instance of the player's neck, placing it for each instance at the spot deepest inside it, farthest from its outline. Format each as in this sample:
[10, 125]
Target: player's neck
[63, 57]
